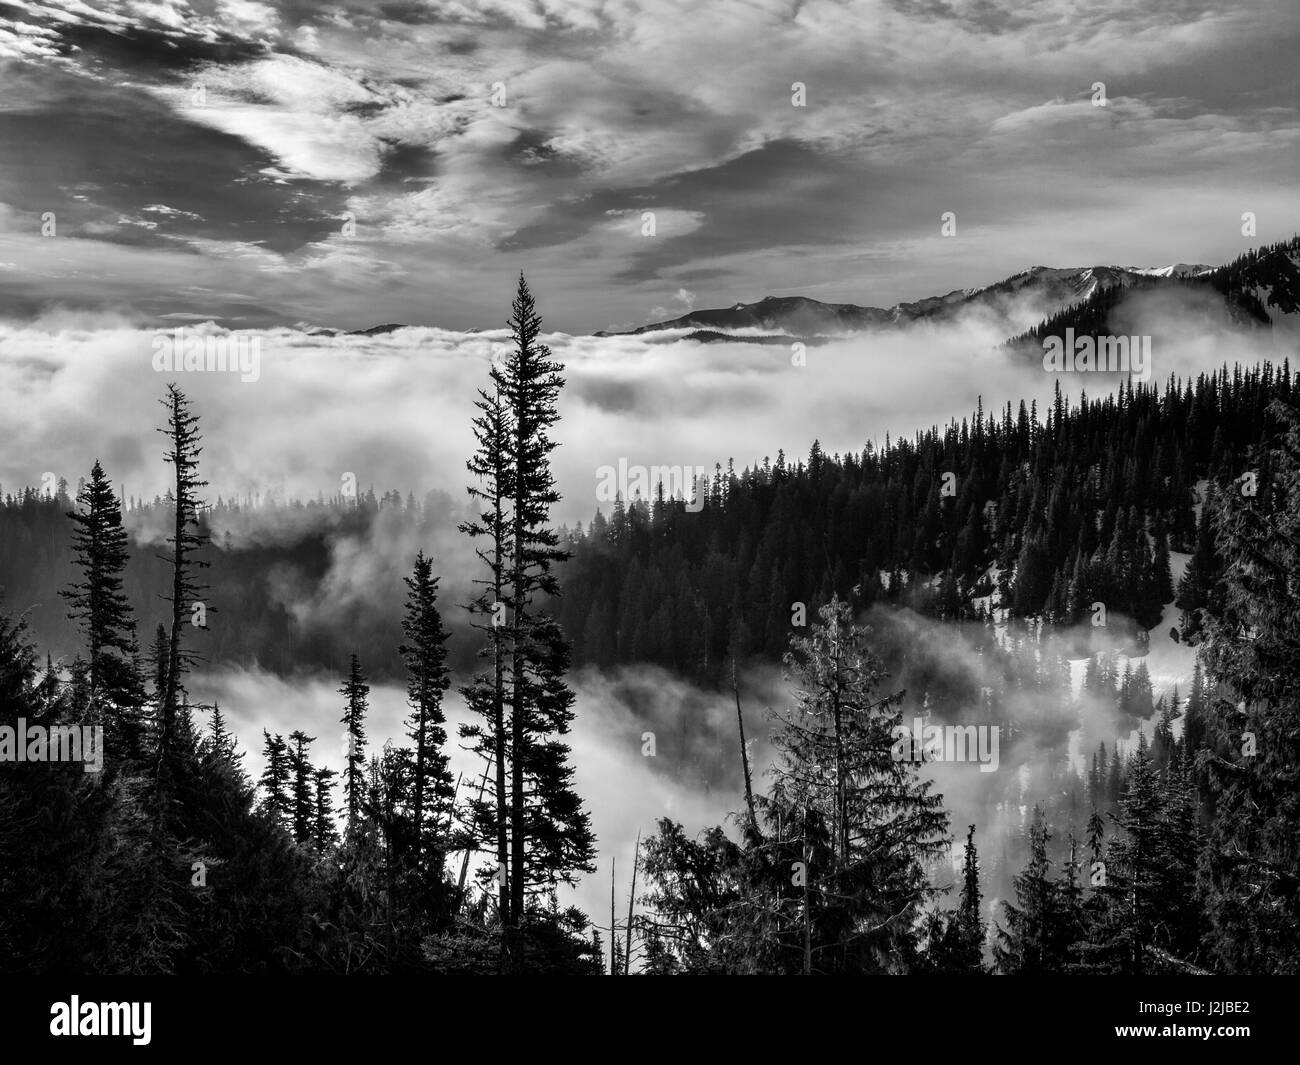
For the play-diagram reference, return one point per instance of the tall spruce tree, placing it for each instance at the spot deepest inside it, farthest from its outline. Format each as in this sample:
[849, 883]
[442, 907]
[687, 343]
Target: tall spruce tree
[550, 831]
[870, 823]
[424, 654]
[275, 779]
[1034, 940]
[485, 695]
[970, 922]
[302, 797]
[324, 831]
[100, 608]
[187, 539]
[357, 693]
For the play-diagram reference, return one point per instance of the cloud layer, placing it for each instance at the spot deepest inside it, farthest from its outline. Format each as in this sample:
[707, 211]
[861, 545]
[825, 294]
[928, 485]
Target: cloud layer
[352, 163]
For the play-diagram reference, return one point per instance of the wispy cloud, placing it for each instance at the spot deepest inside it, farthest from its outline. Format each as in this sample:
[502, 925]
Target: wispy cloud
[810, 146]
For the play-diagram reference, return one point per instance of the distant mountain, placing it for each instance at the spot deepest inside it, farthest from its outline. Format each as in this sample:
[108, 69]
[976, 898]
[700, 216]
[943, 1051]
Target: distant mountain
[1038, 290]
[371, 331]
[1260, 288]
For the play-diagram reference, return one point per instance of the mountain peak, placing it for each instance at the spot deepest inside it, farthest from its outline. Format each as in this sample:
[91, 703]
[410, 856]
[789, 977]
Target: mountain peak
[1020, 300]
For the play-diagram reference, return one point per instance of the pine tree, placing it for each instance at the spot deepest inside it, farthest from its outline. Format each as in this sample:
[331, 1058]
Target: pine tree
[869, 822]
[424, 654]
[357, 693]
[324, 831]
[550, 832]
[1198, 590]
[103, 614]
[1163, 580]
[963, 931]
[188, 537]
[1135, 869]
[486, 694]
[220, 740]
[301, 779]
[1035, 940]
[275, 778]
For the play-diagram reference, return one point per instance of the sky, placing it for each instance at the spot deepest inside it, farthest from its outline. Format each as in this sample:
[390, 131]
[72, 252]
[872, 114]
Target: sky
[346, 164]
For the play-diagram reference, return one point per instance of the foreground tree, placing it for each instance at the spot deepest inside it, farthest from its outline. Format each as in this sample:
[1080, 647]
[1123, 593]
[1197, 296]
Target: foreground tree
[1251, 754]
[835, 881]
[838, 772]
[99, 607]
[424, 652]
[549, 832]
[357, 693]
[485, 695]
[187, 538]
[1035, 939]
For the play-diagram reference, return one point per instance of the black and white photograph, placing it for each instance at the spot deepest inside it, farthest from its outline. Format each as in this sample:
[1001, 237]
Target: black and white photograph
[649, 488]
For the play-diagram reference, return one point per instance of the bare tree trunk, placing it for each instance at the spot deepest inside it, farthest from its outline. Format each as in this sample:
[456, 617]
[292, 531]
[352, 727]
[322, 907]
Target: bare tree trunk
[464, 865]
[744, 753]
[613, 929]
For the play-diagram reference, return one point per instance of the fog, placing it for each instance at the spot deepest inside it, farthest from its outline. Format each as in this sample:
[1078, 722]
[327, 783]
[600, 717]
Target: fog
[694, 775]
[394, 410]
[624, 790]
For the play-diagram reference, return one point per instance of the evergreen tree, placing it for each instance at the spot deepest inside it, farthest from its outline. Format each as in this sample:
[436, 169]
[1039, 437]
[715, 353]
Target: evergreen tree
[869, 822]
[1252, 755]
[188, 537]
[357, 693]
[101, 610]
[302, 802]
[550, 834]
[424, 652]
[275, 778]
[486, 694]
[324, 831]
[1035, 940]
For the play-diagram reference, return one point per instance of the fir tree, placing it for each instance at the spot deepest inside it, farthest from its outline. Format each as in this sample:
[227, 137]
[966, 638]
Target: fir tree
[486, 694]
[324, 832]
[424, 653]
[100, 608]
[302, 803]
[550, 834]
[275, 778]
[1035, 940]
[188, 537]
[869, 823]
[357, 693]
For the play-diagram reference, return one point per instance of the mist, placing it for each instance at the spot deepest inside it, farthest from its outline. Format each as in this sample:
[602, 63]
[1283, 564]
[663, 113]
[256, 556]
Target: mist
[393, 411]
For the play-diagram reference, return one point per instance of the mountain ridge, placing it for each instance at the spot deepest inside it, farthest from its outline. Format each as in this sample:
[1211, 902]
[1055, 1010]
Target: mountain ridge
[1261, 287]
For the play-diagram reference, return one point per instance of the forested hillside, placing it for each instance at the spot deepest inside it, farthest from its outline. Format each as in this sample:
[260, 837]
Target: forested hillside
[1049, 511]
[1052, 510]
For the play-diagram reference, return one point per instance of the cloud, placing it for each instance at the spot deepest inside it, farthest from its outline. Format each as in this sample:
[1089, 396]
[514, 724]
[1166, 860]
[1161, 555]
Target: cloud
[395, 409]
[912, 109]
[624, 791]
